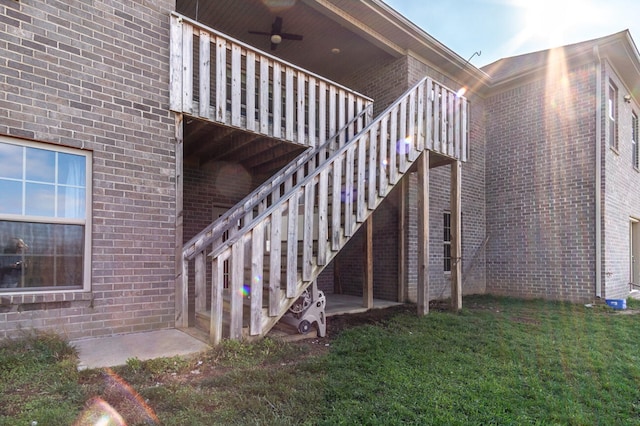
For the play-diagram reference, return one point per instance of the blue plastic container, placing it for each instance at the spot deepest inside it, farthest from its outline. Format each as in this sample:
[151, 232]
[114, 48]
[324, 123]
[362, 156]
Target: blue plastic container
[617, 303]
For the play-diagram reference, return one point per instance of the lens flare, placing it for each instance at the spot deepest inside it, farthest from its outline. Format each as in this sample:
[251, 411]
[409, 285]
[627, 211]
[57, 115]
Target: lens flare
[99, 412]
[246, 290]
[403, 146]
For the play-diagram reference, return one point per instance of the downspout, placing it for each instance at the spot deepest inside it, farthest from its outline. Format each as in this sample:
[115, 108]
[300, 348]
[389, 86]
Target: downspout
[598, 174]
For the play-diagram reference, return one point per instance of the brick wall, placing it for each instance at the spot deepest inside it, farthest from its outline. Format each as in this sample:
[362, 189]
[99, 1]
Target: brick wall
[540, 187]
[621, 196]
[218, 183]
[94, 76]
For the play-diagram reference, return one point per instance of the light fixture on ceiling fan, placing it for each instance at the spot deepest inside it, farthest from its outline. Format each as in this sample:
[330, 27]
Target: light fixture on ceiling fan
[276, 35]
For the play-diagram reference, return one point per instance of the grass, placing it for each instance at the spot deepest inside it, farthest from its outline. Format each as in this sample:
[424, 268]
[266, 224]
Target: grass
[500, 361]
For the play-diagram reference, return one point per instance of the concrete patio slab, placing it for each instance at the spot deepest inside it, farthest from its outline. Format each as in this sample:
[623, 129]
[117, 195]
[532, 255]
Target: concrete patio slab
[111, 351]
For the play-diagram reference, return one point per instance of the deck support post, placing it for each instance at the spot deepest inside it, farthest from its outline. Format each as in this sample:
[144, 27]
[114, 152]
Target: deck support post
[456, 236]
[402, 241]
[367, 288]
[181, 273]
[423, 233]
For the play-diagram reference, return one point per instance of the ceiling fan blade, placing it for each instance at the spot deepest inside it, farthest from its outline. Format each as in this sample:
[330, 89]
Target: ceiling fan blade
[291, 36]
[276, 27]
[259, 32]
[274, 46]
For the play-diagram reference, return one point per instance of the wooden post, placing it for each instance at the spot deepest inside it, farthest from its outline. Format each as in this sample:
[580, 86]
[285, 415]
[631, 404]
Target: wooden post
[423, 233]
[402, 241]
[456, 236]
[182, 291]
[367, 288]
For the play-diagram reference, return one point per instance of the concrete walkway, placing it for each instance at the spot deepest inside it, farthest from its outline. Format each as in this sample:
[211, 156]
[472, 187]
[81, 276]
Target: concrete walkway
[110, 351]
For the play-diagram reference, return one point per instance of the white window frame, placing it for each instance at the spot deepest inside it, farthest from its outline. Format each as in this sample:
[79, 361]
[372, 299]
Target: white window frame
[635, 147]
[446, 242]
[612, 114]
[86, 222]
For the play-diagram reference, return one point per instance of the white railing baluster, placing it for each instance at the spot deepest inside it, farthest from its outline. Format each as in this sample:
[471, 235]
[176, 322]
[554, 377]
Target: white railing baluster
[312, 116]
[292, 244]
[402, 141]
[204, 76]
[336, 205]
[348, 192]
[301, 118]
[374, 167]
[323, 224]
[264, 95]
[361, 208]
[464, 132]
[236, 85]
[250, 91]
[322, 113]
[257, 269]
[187, 73]
[217, 287]
[221, 80]
[384, 157]
[393, 145]
[237, 281]
[277, 100]
[289, 104]
[307, 237]
[275, 262]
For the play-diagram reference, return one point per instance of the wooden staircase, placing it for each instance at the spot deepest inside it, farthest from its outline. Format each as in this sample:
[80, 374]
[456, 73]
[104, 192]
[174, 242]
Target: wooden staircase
[299, 221]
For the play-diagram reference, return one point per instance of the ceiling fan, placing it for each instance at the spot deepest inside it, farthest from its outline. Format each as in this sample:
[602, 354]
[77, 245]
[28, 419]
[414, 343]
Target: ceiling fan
[276, 35]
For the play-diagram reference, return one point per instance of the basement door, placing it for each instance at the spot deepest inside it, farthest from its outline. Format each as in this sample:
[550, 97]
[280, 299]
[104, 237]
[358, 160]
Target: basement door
[634, 239]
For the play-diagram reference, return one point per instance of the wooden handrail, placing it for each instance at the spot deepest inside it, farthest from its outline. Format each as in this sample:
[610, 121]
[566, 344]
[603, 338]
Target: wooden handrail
[350, 184]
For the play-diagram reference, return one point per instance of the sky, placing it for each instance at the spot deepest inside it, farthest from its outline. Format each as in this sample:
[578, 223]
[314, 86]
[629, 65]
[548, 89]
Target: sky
[504, 28]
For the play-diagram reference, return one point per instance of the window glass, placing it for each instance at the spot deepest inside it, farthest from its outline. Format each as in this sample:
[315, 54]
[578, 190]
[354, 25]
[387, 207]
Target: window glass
[447, 242]
[40, 165]
[11, 160]
[10, 197]
[40, 256]
[43, 235]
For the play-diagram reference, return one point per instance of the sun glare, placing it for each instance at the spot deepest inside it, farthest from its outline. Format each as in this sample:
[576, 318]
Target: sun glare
[555, 21]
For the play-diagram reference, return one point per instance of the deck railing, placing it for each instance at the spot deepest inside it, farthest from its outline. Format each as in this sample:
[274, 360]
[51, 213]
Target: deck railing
[276, 255]
[218, 78]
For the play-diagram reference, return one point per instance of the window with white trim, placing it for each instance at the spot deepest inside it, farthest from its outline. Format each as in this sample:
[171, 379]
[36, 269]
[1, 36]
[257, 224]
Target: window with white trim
[44, 225]
[447, 242]
[635, 156]
[612, 112]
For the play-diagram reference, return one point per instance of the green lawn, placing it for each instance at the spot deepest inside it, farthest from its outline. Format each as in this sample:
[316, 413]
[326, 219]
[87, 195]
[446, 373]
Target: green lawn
[499, 361]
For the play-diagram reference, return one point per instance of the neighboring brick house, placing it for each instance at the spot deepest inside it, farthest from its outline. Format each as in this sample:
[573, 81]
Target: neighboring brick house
[563, 203]
[126, 129]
